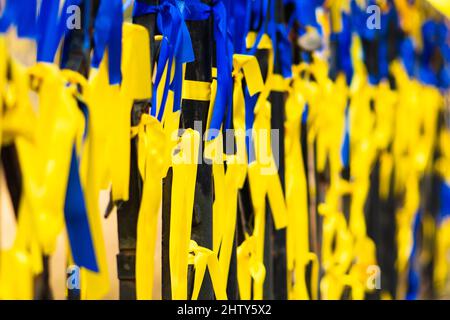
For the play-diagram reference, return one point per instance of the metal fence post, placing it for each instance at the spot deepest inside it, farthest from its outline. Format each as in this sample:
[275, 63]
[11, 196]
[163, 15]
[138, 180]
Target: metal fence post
[193, 113]
[128, 211]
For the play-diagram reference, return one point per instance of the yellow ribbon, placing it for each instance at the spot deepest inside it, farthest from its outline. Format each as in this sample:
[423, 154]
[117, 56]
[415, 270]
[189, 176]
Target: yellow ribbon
[184, 165]
[250, 267]
[297, 236]
[94, 285]
[201, 258]
[263, 180]
[154, 155]
[227, 185]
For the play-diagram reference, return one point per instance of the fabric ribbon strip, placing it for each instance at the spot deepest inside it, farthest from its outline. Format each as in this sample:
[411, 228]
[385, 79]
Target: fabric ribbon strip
[176, 49]
[108, 34]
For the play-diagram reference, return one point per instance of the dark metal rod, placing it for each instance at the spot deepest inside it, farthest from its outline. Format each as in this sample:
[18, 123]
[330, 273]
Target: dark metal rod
[191, 112]
[277, 123]
[74, 56]
[128, 211]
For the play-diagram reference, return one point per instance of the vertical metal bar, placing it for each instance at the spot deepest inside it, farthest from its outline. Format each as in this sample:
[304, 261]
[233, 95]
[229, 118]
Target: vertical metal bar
[74, 56]
[277, 123]
[128, 211]
[193, 112]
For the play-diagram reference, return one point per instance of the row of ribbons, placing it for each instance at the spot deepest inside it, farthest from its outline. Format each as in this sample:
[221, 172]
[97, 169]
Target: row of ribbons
[72, 137]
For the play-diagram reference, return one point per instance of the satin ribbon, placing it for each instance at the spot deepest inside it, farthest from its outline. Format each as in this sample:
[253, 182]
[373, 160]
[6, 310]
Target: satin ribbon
[327, 124]
[413, 146]
[363, 151]
[442, 6]
[20, 263]
[46, 170]
[304, 13]
[75, 209]
[51, 28]
[352, 248]
[21, 13]
[239, 12]
[176, 48]
[259, 14]
[154, 154]
[337, 259]
[95, 284]
[413, 274]
[136, 85]
[297, 239]
[201, 258]
[227, 185]
[54, 126]
[343, 37]
[18, 118]
[183, 190]
[77, 223]
[252, 102]
[244, 66]
[385, 103]
[250, 268]
[263, 179]
[108, 34]
[195, 10]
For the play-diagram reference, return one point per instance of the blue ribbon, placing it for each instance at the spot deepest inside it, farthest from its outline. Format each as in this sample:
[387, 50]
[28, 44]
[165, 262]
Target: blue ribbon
[239, 23]
[343, 53]
[444, 206]
[175, 45]
[259, 9]
[408, 56]
[9, 15]
[283, 50]
[51, 28]
[360, 18]
[108, 34]
[250, 103]
[224, 67]
[435, 36]
[413, 274]
[305, 114]
[49, 33]
[21, 13]
[75, 213]
[195, 10]
[304, 14]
